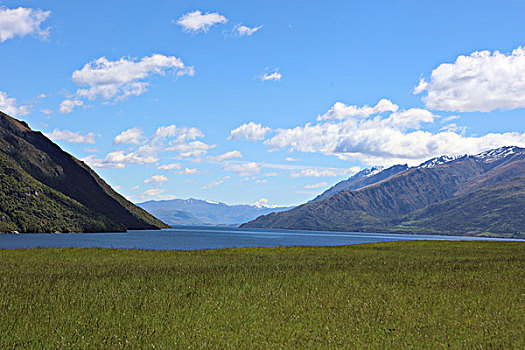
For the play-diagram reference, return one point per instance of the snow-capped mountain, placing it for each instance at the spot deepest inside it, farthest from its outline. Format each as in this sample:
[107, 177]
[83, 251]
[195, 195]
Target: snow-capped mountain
[376, 174]
[499, 153]
[437, 161]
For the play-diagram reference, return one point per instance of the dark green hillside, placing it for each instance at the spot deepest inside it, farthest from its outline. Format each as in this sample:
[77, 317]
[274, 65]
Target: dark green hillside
[27, 205]
[47, 165]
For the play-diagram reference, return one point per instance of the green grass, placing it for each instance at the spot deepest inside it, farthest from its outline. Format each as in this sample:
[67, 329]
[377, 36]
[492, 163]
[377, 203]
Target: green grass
[387, 295]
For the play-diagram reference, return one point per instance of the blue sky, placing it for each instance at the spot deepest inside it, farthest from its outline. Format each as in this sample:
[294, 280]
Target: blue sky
[241, 101]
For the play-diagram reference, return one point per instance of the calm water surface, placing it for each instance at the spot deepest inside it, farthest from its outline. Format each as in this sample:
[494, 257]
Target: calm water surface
[203, 237]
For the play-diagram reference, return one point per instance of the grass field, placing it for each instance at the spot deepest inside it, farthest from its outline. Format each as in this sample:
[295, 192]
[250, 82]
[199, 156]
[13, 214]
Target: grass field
[386, 295]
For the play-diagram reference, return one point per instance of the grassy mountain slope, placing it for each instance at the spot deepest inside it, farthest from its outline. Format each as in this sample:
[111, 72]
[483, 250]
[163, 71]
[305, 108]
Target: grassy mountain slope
[27, 205]
[44, 162]
[494, 210]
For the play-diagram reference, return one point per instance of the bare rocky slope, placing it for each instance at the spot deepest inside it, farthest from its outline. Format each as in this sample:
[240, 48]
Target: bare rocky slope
[473, 195]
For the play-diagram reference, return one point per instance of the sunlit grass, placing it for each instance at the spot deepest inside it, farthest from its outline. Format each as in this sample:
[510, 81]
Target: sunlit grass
[401, 295]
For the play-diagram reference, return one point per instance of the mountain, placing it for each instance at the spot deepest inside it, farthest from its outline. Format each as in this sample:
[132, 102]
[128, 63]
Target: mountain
[44, 189]
[474, 195]
[363, 178]
[205, 212]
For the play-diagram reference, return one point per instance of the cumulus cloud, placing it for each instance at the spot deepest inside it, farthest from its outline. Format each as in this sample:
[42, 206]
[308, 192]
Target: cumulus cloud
[317, 185]
[156, 180]
[165, 139]
[250, 131]
[226, 156]
[131, 136]
[67, 105]
[9, 106]
[196, 21]
[120, 159]
[275, 76]
[125, 77]
[169, 166]
[342, 111]
[21, 22]
[482, 81]
[72, 137]
[396, 138]
[242, 30]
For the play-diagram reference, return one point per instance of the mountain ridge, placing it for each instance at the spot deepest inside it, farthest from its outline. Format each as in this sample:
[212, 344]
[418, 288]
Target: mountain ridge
[386, 206]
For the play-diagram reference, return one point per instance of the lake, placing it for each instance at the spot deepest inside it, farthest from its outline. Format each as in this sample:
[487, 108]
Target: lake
[206, 237]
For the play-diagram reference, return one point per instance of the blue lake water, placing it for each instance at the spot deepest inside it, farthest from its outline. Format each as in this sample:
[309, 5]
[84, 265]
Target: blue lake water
[205, 237]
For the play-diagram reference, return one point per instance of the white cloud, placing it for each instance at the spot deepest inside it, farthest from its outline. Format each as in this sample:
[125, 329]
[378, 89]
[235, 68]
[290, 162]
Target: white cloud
[150, 149]
[318, 173]
[119, 160]
[156, 180]
[91, 150]
[226, 156]
[250, 131]
[9, 106]
[46, 111]
[152, 192]
[212, 184]
[196, 21]
[169, 166]
[453, 127]
[271, 174]
[290, 159]
[385, 140]
[21, 22]
[191, 149]
[317, 185]
[482, 81]
[242, 30]
[131, 136]
[67, 105]
[72, 137]
[125, 77]
[275, 76]
[188, 171]
[244, 169]
[342, 111]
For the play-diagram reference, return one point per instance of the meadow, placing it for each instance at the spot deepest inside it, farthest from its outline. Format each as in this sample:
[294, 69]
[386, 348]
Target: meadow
[425, 294]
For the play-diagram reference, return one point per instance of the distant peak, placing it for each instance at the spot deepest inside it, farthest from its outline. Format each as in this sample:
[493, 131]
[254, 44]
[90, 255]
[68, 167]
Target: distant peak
[437, 161]
[498, 153]
[262, 204]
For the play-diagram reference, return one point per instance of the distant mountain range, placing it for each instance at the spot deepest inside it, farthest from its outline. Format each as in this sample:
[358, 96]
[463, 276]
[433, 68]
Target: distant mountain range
[205, 212]
[44, 189]
[479, 195]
